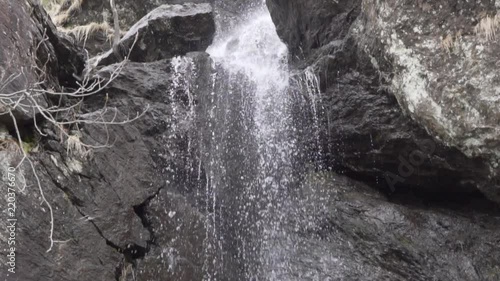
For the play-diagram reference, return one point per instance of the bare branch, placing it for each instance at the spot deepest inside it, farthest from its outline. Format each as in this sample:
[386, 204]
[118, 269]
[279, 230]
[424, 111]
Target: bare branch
[65, 114]
[42, 194]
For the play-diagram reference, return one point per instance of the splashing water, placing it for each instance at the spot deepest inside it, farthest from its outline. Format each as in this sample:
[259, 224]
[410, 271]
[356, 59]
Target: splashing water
[242, 150]
[249, 168]
[310, 83]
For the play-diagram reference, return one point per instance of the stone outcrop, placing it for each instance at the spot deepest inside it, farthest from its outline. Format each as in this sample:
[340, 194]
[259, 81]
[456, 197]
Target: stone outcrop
[167, 31]
[121, 211]
[91, 21]
[110, 217]
[34, 55]
[95, 11]
[444, 73]
[408, 89]
[345, 230]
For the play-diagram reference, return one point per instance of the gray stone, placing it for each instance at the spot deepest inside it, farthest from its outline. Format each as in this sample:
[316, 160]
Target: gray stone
[370, 123]
[344, 230]
[167, 31]
[444, 72]
[34, 56]
[100, 201]
[99, 12]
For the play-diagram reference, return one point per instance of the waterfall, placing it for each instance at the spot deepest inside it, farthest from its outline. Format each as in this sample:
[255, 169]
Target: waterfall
[238, 119]
[248, 153]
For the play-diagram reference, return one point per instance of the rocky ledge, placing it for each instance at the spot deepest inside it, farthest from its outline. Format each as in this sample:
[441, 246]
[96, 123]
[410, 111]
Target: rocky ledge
[105, 192]
[408, 89]
[167, 31]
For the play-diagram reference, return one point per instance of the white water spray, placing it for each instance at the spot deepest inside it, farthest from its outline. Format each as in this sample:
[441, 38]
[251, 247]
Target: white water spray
[254, 62]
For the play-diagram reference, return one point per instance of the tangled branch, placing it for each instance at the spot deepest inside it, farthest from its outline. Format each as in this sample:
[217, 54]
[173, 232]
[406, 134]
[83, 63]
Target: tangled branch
[64, 115]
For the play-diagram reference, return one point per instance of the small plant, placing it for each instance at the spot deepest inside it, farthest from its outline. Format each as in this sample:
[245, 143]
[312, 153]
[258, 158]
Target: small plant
[451, 42]
[488, 26]
[83, 32]
[30, 144]
[61, 115]
[58, 11]
[447, 43]
[75, 146]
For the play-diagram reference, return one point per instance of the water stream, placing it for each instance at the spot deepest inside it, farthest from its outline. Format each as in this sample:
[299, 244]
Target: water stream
[253, 150]
[247, 149]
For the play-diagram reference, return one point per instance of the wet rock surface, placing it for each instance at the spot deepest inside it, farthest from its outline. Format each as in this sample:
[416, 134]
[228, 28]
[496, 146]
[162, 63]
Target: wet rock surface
[115, 206]
[367, 126]
[344, 230]
[108, 199]
[33, 54]
[167, 31]
[72, 16]
[374, 118]
[179, 234]
[136, 211]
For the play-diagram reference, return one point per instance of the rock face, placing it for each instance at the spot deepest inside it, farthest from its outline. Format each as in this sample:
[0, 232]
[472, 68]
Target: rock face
[179, 234]
[96, 11]
[118, 207]
[345, 230]
[175, 250]
[131, 208]
[168, 31]
[123, 210]
[77, 16]
[400, 100]
[445, 73]
[90, 22]
[35, 56]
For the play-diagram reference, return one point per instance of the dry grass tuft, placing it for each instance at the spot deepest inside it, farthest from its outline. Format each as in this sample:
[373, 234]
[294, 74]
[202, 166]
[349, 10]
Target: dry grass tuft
[447, 43]
[488, 26]
[76, 147]
[451, 43]
[59, 10]
[369, 9]
[83, 32]
[10, 145]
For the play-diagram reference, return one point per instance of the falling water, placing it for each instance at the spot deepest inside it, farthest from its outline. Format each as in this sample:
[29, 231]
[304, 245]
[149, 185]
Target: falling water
[309, 83]
[249, 152]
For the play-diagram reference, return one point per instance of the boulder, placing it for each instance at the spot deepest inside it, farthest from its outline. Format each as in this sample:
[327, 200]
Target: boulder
[444, 71]
[99, 199]
[167, 31]
[91, 22]
[34, 56]
[342, 229]
[113, 206]
[73, 13]
[378, 121]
